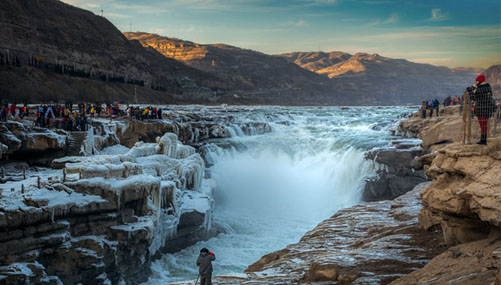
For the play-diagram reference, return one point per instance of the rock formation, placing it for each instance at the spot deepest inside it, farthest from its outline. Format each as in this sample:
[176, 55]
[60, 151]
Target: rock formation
[397, 171]
[103, 218]
[19, 139]
[464, 200]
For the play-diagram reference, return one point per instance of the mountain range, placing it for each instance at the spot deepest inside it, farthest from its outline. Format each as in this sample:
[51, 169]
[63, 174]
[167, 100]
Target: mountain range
[52, 51]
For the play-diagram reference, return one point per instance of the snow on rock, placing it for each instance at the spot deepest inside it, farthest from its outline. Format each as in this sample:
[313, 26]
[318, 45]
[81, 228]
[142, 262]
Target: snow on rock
[183, 151]
[168, 144]
[114, 150]
[106, 214]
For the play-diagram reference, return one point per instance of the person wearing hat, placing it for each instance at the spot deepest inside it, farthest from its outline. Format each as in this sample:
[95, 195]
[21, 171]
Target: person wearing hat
[204, 263]
[481, 94]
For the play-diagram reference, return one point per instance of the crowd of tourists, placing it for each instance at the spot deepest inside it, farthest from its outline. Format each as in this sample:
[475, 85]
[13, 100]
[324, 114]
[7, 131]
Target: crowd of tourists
[452, 101]
[12, 111]
[483, 105]
[148, 113]
[74, 117]
[428, 107]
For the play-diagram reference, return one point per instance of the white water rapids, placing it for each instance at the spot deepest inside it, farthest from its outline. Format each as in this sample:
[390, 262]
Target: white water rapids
[273, 188]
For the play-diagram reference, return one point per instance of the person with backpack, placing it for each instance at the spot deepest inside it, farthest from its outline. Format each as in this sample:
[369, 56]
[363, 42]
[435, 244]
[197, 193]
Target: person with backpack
[204, 263]
[436, 103]
[481, 95]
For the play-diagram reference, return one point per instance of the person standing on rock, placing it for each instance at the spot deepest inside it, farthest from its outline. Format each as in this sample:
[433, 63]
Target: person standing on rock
[204, 263]
[481, 95]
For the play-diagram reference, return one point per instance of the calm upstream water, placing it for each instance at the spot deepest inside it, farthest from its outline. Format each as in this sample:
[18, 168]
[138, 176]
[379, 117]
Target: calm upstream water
[273, 188]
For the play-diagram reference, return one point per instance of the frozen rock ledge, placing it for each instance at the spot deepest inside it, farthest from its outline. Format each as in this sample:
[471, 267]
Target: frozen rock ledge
[103, 218]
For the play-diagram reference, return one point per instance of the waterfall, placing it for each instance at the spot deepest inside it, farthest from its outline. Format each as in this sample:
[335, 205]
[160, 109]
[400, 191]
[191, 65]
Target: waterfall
[273, 188]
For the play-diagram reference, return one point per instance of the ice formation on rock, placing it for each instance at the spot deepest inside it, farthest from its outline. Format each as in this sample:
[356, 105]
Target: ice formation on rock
[114, 212]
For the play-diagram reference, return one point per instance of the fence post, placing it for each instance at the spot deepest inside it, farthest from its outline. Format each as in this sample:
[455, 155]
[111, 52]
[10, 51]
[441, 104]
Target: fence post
[468, 118]
[495, 125]
[465, 95]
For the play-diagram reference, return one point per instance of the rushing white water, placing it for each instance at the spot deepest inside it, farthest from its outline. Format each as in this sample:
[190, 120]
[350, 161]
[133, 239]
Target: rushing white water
[274, 187]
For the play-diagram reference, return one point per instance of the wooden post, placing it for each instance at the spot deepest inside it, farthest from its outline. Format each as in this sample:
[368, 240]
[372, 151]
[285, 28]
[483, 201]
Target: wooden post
[24, 173]
[495, 125]
[1, 190]
[468, 118]
[464, 117]
[64, 175]
[22, 188]
[38, 182]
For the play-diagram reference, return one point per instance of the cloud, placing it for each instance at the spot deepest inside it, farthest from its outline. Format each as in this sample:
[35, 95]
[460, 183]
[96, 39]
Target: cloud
[392, 19]
[299, 23]
[444, 61]
[326, 1]
[481, 33]
[438, 16]
[85, 3]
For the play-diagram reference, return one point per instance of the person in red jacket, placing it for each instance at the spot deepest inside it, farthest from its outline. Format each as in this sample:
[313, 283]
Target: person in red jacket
[481, 95]
[204, 263]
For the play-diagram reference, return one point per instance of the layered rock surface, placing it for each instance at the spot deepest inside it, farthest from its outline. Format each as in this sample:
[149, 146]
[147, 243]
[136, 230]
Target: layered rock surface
[464, 200]
[103, 218]
[397, 171]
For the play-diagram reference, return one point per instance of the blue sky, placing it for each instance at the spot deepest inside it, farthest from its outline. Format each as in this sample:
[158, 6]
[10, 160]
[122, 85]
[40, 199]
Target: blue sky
[449, 32]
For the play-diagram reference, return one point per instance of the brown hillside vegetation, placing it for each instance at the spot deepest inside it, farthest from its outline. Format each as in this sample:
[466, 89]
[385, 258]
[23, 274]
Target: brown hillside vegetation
[54, 51]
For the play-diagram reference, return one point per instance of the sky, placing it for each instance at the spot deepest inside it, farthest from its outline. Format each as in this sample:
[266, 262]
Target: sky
[453, 33]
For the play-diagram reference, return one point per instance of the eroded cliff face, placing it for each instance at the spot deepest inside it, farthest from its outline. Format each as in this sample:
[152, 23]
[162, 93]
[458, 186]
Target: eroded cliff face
[464, 200]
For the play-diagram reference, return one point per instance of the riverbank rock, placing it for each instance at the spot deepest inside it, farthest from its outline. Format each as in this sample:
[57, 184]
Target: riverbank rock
[470, 263]
[465, 196]
[22, 138]
[464, 200]
[397, 171]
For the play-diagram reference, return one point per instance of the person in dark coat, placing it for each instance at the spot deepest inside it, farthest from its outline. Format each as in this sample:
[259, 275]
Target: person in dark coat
[481, 95]
[204, 263]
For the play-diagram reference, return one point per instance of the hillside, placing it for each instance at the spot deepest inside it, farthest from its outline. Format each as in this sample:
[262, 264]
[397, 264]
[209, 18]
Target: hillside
[54, 51]
[360, 79]
[381, 80]
[493, 76]
[250, 74]
[318, 62]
